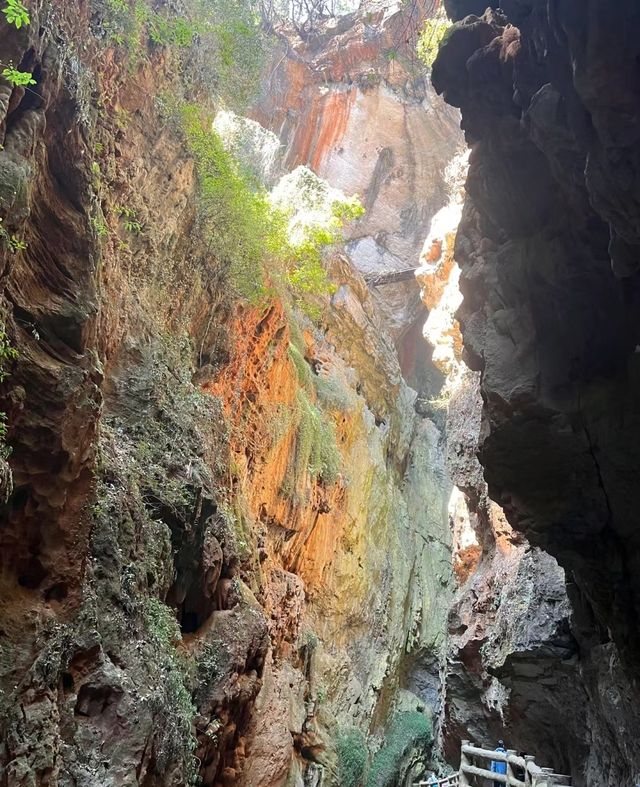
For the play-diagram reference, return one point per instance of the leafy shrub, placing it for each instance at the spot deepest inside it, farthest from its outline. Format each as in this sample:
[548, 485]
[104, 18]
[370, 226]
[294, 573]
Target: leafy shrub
[249, 229]
[352, 757]
[316, 444]
[18, 78]
[237, 219]
[168, 31]
[13, 242]
[406, 731]
[132, 24]
[231, 46]
[173, 700]
[316, 215]
[236, 49]
[432, 36]
[16, 14]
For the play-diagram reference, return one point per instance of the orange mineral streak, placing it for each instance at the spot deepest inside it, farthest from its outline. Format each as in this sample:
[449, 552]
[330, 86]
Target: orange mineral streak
[437, 261]
[322, 127]
[465, 562]
[332, 125]
[258, 387]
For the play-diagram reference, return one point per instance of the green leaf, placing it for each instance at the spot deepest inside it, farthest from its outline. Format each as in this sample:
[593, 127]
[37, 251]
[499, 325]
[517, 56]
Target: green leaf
[16, 13]
[18, 78]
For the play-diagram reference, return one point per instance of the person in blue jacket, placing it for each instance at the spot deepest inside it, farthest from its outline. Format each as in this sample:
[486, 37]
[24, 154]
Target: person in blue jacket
[498, 766]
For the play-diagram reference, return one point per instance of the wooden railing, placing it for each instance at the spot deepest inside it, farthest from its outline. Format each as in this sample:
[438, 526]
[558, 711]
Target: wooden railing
[521, 771]
[447, 781]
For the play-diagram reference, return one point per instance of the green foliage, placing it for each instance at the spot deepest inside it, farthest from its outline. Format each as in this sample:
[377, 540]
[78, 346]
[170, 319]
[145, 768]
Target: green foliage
[99, 226]
[250, 232]
[316, 444]
[177, 724]
[433, 35]
[166, 31]
[316, 215]
[16, 14]
[162, 624]
[237, 219]
[13, 242]
[130, 220]
[346, 210]
[7, 353]
[18, 78]
[303, 370]
[127, 22]
[406, 731]
[306, 275]
[231, 45]
[133, 226]
[4, 450]
[16, 244]
[122, 23]
[352, 753]
[232, 50]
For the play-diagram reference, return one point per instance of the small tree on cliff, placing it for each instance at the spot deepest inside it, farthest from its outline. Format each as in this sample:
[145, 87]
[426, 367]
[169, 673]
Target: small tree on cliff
[435, 30]
[304, 14]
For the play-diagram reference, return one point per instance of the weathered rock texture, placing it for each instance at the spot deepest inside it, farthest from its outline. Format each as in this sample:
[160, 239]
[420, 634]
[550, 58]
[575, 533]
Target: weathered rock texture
[353, 104]
[182, 594]
[549, 252]
[510, 671]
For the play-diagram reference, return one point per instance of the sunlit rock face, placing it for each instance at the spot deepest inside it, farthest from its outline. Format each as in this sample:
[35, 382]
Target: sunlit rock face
[352, 103]
[366, 553]
[548, 249]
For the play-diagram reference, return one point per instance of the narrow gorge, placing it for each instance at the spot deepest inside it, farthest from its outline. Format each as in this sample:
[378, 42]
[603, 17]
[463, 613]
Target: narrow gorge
[318, 415]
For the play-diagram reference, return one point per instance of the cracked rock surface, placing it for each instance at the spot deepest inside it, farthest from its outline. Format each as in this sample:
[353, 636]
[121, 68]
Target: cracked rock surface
[549, 251]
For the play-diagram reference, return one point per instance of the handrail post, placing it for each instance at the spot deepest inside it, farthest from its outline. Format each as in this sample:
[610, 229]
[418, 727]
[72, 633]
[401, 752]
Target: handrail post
[547, 776]
[464, 760]
[527, 774]
[510, 774]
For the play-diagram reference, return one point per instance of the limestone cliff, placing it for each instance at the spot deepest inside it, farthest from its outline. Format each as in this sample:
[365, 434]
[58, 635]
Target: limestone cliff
[354, 104]
[225, 546]
[548, 250]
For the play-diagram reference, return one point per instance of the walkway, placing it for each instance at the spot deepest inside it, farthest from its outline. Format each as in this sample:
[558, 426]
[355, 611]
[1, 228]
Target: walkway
[475, 765]
[379, 278]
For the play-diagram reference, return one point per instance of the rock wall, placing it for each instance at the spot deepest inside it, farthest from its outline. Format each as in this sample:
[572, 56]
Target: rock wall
[353, 104]
[184, 593]
[511, 669]
[548, 249]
